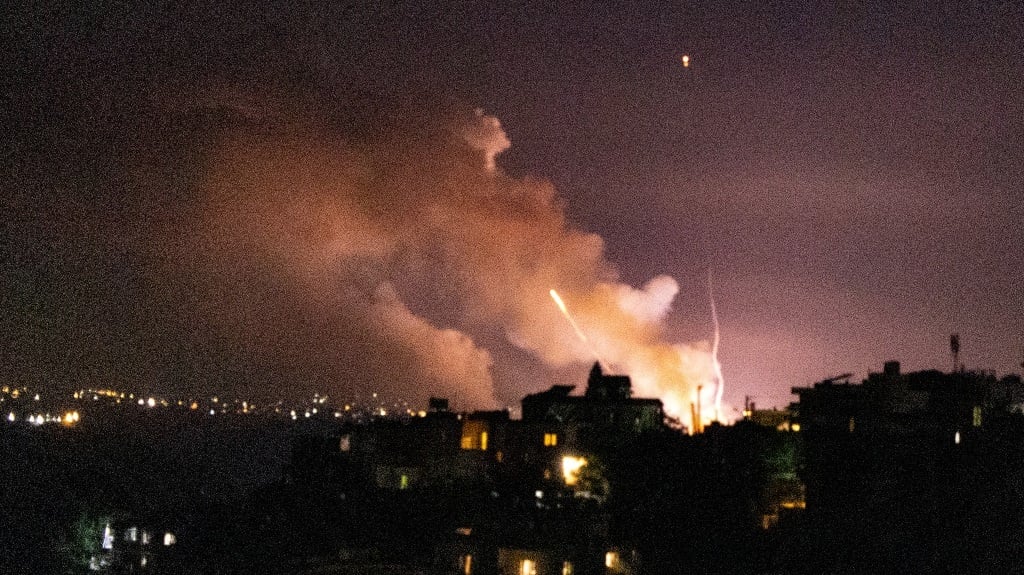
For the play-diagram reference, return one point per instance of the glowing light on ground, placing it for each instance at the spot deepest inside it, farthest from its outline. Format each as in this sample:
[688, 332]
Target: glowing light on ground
[571, 466]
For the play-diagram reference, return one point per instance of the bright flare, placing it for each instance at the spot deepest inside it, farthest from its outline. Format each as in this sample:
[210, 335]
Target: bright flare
[579, 332]
[571, 466]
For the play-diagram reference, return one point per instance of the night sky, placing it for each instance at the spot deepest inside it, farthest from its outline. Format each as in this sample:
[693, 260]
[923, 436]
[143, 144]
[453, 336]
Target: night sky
[344, 199]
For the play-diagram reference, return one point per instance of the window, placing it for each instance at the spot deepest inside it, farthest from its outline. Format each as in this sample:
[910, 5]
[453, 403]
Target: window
[483, 441]
[976, 416]
[528, 567]
[467, 564]
[550, 439]
[403, 482]
[566, 568]
[611, 560]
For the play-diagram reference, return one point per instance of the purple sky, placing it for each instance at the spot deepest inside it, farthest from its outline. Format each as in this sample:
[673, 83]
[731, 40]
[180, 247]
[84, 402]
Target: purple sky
[852, 175]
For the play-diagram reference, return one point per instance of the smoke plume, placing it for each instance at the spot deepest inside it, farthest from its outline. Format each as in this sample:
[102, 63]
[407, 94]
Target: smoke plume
[412, 264]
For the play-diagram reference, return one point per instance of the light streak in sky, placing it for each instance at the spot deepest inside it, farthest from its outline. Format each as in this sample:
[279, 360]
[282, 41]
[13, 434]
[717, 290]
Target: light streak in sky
[579, 332]
[716, 365]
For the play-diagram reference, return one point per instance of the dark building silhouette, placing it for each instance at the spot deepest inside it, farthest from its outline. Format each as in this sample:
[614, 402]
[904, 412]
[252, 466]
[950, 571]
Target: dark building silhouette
[898, 467]
[606, 411]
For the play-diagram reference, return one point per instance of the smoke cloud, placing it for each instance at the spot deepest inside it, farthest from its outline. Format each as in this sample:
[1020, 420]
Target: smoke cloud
[411, 264]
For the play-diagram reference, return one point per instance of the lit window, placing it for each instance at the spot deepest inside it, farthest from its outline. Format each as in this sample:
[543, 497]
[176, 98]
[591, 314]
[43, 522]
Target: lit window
[345, 444]
[483, 441]
[132, 534]
[853, 425]
[956, 438]
[403, 483]
[550, 439]
[467, 442]
[467, 564]
[611, 560]
[528, 567]
[145, 537]
[169, 539]
[566, 568]
[976, 416]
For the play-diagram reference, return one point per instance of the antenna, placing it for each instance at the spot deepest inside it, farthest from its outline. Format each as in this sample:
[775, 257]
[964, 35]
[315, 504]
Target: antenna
[954, 348]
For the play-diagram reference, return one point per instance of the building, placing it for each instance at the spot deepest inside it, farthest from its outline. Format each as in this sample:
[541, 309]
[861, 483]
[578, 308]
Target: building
[607, 411]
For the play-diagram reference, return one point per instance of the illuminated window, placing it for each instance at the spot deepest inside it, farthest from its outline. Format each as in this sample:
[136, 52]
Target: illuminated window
[528, 567]
[467, 442]
[566, 568]
[345, 443]
[483, 441]
[976, 416]
[169, 539]
[132, 534]
[853, 425]
[956, 438]
[145, 537]
[611, 560]
[467, 565]
[403, 483]
[550, 439]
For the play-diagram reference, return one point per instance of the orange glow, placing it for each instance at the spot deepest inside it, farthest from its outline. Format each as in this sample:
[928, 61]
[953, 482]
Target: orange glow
[571, 466]
[686, 61]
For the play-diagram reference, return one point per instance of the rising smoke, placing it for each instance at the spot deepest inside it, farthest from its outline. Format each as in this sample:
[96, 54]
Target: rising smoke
[412, 264]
